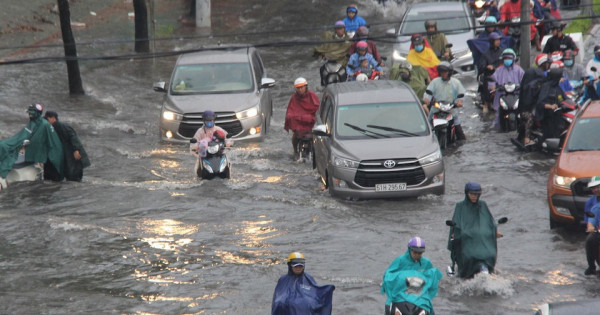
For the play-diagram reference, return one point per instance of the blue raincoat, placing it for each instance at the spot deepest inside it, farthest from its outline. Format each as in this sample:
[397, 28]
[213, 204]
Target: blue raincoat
[300, 295]
[394, 281]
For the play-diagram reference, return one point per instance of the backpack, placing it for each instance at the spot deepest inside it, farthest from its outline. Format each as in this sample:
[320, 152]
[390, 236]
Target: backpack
[529, 94]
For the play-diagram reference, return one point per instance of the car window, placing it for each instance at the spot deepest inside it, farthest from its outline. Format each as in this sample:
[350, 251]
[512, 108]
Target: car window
[258, 67]
[329, 118]
[447, 21]
[583, 135]
[325, 103]
[388, 120]
[212, 78]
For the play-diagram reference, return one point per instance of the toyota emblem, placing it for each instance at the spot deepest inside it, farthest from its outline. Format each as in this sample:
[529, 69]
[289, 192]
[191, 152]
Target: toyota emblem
[389, 163]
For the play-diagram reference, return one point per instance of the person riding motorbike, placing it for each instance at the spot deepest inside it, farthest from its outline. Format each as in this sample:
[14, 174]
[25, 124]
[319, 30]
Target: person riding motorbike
[593, 66]
[592, 242]
[491, 26]
[489, 61]
[415, 76]
[437, 40]
[446, 88]
[362, 35]
[550, 96]
[411, 263]
[205, 133]
[573, 70]
[297, 291]
[530, 84]
[300, 114]
[352, 20]
[421, 54]
[559, 41]
[354, 63]
[472, 239]
[589, 90]
[565, 85]
[512, 9]
[336, 46]
[508, 71]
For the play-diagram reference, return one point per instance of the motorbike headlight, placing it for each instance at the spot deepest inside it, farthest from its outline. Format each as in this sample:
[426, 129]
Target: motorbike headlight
[431, 158]
[563, 181]
[479, 4]
[171, 115]
[397, 55]
[445, 107]
[213, 149]
[510, 87]
[346, 163]
[251, 112]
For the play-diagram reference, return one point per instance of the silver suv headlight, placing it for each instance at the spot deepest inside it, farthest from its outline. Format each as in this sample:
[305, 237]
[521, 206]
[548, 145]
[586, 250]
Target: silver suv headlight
[251, 112]
[434, 157]
[345, 163]
[171, 115]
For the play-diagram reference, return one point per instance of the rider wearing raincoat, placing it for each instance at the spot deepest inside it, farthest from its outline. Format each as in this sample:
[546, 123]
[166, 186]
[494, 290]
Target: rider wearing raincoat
[472, 241]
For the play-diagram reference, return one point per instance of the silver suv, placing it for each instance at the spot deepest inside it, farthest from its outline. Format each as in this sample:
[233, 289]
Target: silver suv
[372, 140]
[232, 83]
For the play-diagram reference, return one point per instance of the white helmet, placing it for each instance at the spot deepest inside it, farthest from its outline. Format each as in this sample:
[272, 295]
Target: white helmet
[362, 77]
[300, 82]
[594, 181]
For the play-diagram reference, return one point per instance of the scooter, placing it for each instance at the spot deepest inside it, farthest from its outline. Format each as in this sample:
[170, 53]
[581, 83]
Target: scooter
[412, 291]
[479, 10]
[514, 30]
[509, 103]
[23, 171]
[215, 163]
[332, 72]
[374, 75]
[442, 120]
[304, 147]
[590, 214]
[482, 268]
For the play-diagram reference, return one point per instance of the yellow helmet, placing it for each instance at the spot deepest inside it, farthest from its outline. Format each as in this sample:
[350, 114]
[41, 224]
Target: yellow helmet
[296, 258]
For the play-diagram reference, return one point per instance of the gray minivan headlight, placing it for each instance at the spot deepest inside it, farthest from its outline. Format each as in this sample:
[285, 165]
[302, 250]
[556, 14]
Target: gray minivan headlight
[341, 162]
[431, 158]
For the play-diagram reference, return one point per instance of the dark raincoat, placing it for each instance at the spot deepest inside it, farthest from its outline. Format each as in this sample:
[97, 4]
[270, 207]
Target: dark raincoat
[550, 93]
[300, 295]
[44, 146]
[474, 237]
[300, 114]
[73, 169]
[394, 281]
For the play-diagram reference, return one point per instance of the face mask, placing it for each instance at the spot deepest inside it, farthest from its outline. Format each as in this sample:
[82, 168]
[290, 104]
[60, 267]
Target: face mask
[508, 62]
[568, 63]
[419, 48]
[597, 56]
[209, 124]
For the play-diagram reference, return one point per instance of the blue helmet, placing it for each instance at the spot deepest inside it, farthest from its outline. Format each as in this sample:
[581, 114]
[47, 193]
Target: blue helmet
[472, 187]
[490, 21]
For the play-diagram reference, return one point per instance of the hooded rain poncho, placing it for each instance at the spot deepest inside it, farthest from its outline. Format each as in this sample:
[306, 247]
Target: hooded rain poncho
[300, 295]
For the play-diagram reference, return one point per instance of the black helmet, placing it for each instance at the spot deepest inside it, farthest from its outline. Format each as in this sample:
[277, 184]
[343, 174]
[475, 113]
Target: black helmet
[445, 66]
[555, 74]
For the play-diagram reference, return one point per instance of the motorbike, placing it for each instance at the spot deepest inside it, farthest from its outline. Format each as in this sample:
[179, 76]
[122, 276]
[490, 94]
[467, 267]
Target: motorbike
[332, 72]
[374, 75]
[479, 10]
[482, 267]
[23, 171]
[411, 291]
[443, 121]
[514, 30]
[215, 163]
[304, 147]
[590, 214]
[509, 103]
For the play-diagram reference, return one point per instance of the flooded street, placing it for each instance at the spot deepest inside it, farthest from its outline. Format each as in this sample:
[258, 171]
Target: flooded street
[142, 235]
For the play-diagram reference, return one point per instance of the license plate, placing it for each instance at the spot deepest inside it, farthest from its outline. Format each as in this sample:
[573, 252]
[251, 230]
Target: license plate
[390, 187]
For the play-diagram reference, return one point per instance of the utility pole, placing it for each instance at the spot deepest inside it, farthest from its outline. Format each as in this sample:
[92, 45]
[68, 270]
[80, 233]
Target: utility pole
[525, 46]
[75, 85]
[142, 42]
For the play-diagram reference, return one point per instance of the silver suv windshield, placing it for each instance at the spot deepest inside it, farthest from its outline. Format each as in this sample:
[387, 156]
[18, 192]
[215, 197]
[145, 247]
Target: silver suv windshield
[447, 21]
[212, 78]
[583, 135]
[388, 120]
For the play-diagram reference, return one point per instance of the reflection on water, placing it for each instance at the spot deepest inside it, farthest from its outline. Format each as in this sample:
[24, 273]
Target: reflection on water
[559, 277]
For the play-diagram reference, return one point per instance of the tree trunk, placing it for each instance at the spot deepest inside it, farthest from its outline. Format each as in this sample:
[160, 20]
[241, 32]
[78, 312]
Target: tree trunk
[75, 85]
[142, 43]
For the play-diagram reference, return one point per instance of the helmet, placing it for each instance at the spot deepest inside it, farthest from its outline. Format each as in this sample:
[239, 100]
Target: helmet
[352, 8]
[493, 36]
[555, 74]
[557, 55]
[569, 54]
[556, 25]
[362, 77]
[362, 31]
[445, 66]
[430, 23]
[208, 117]
[300, 82]
[472, 187]
[594, 181]
[362, 45]
[35, 108]
[490, 21]
[540, 59]
[416, 244]
[509, 53]
[557, 64]
[296, 259]
[417, 39]
[339, 24]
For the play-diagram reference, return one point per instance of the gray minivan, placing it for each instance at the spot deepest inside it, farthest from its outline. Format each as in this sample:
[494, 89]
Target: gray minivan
[372, 140]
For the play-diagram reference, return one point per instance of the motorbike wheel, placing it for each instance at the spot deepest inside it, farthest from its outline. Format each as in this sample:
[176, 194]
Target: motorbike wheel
[226, 173]
[442, 140]
[512, 122]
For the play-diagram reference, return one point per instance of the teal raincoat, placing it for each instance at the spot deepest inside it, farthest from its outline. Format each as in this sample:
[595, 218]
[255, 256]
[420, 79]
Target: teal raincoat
[394, 281]
[474, 237]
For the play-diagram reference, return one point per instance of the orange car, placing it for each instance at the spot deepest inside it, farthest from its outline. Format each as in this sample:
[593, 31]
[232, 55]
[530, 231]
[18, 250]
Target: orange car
[578, 161]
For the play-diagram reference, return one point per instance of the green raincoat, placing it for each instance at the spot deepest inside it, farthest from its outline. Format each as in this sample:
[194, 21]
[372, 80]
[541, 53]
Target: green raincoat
[394, 281]
[474, 237]
[418, 78]
[337, 49]
[44, 146]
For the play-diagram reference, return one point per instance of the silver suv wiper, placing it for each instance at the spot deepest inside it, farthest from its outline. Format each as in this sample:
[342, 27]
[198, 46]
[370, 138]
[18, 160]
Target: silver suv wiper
[399, 131]
[365, 131]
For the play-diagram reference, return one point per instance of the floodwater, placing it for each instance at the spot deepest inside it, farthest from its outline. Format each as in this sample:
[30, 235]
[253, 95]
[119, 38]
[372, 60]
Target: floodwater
[142, 235]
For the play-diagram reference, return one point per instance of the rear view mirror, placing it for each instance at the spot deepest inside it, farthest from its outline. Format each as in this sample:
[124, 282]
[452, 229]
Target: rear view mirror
[193, 140]
[159, 87]
[502, 220]
[450, 223]
[320, 130]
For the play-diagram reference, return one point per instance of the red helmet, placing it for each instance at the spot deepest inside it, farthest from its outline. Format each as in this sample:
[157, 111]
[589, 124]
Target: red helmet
[362, 44]
[540, 59]
[557, 64]
[557, 55]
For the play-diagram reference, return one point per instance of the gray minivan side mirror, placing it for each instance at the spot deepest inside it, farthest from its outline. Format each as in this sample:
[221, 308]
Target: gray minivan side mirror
[159, 87]
[320, 130]
[266, 83]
